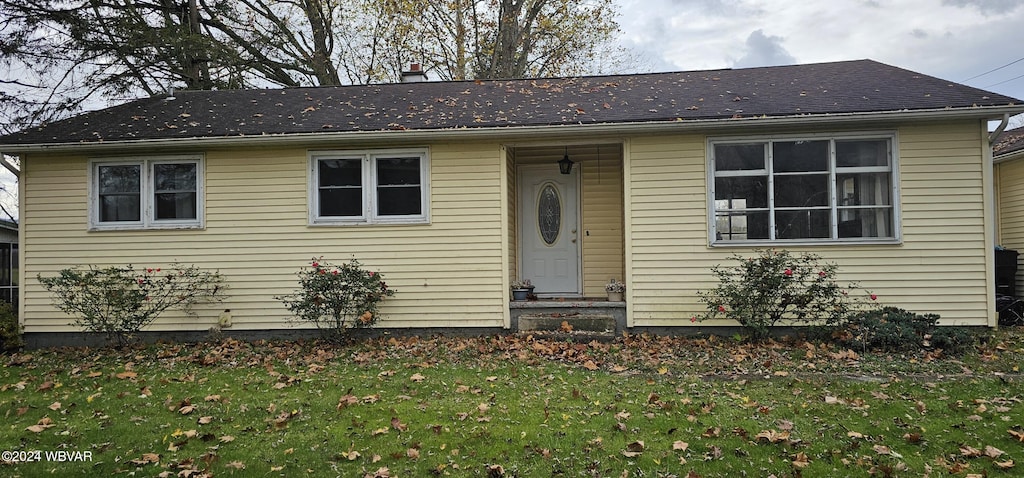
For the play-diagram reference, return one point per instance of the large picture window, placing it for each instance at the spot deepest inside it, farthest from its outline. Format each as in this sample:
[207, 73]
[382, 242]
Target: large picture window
[146, 193]
[835, 188]
[361, 187]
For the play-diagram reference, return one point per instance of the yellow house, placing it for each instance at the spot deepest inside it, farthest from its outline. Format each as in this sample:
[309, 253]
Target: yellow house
[453, 190]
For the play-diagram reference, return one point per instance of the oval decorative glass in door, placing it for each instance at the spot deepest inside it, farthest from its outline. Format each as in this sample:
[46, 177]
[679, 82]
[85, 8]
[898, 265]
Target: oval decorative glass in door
[549, 214]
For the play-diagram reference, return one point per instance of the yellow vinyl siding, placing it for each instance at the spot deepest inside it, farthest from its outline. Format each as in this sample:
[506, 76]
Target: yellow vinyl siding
[1010, 190]
[940, 267]
[257, 235]
[602, 221]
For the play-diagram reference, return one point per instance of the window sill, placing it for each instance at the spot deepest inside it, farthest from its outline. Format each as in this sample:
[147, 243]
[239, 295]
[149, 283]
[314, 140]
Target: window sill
[803, 243]
[411, 222]
[151, 227]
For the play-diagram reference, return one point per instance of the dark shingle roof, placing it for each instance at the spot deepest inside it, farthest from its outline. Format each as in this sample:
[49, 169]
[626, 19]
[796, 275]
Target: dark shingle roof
[859, 86]
[1008, 142]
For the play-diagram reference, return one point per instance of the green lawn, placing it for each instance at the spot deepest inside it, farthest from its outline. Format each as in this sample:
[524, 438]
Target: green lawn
[513, 406]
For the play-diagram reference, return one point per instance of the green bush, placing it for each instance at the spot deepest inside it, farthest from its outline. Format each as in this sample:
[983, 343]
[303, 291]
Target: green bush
[10, 329]
[776, 286]
[337, 298]
[891, 329]
[120, 301]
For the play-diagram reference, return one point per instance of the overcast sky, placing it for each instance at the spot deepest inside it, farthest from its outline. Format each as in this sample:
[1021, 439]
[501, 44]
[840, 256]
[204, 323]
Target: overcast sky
[951, 39]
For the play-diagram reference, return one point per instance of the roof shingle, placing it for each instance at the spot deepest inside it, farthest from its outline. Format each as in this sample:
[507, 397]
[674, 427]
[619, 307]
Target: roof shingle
[858, 86]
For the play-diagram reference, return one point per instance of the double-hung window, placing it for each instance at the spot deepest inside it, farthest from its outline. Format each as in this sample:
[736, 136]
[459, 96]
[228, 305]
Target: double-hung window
[158, 192]
[367, 187]
[834, 188]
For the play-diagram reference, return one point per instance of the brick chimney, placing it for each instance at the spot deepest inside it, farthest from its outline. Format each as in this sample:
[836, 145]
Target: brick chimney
[414, 74]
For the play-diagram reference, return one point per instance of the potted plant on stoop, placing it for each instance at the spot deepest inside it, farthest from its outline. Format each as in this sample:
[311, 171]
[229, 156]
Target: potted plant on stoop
[615, 290]
[521, 289]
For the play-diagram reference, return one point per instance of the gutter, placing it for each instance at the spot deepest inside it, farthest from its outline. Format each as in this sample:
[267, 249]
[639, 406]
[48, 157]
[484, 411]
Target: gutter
[513, 132]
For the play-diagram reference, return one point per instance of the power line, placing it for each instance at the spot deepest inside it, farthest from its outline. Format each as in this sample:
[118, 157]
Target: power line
[994, 69]
[1005, 81]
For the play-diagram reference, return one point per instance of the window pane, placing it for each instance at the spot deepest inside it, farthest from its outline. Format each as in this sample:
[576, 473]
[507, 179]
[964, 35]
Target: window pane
[120, 207]
[869, 189]
[341, 202]
[753, 190]
[119, 179]
[865, 222]
[341, 172]
[802, 190]
[796, 156]
[175, 206]
[398, 201]
[807, 224]
[393, 171]
[120, 193]
[861, 153]
[174, 177]
[16, 274]
[738, 226]
[6, 268]
[739, 157]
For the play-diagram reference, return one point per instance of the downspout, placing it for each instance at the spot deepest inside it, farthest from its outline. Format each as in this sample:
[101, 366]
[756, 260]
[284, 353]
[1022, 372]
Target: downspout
[10, 167]
[999, 129]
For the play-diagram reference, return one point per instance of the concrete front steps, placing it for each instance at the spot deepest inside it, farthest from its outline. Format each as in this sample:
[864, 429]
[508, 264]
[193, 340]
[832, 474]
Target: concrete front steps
[575, 319]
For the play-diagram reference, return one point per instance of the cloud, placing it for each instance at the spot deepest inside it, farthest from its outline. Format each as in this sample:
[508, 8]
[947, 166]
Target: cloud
[987, 7]
[764, 50]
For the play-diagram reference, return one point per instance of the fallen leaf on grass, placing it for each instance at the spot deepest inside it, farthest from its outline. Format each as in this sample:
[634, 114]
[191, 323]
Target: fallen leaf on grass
[801, 460]
[590, 365]
[54, 406]
[1004, 465]
[413, 454]
[881, 449]
[1018, 434]
[41, 425]
[398, 425]
[205, 420]
[680, 445]
[416, 377]
[993, 452]
[126, 375]
[227, 439]
[236, 465]
[351, 455]
[633, 449]
[969, 451]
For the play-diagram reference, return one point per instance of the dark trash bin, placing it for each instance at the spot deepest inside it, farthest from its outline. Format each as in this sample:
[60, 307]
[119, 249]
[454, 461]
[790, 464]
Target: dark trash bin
[1006, 272]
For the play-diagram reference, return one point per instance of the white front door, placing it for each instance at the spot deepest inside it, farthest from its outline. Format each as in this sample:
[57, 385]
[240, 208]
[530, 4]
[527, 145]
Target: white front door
[549, 253]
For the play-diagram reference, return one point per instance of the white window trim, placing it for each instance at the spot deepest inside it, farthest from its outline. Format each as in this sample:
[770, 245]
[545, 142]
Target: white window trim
[369, 187]
[894, 171]
[147, 192]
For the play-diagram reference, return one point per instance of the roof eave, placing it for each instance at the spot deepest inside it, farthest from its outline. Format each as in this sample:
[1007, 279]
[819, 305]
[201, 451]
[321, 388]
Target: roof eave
[513, 132]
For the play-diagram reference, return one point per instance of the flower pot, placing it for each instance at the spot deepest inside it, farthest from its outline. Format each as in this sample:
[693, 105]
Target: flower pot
[521, 294]
[615, 297]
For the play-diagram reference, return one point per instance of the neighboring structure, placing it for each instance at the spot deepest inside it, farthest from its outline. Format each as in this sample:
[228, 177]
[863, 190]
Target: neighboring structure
[9, 262]
[453, 190]
[1007, 152]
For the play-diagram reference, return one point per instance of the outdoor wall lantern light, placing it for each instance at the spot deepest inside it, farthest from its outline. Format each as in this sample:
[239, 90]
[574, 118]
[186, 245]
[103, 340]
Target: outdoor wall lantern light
[565, 164]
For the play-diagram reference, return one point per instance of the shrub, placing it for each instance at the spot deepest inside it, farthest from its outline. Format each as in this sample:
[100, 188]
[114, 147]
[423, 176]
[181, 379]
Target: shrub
[777, 286]
[119, 301]
[891, 329]
[337, 298]
[10, 329]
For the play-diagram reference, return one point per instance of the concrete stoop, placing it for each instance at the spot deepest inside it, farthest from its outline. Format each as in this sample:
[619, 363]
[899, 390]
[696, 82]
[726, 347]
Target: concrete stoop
[580, 320]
